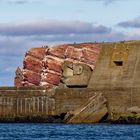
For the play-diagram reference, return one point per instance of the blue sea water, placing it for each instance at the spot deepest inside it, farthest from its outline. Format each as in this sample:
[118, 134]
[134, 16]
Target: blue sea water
[31, 131]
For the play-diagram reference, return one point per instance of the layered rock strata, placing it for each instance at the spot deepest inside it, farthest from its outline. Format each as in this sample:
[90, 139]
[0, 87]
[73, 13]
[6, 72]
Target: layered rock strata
[43, 66]
[30, 74]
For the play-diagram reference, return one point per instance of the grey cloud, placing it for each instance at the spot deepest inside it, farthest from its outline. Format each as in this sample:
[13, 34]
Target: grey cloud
[16, 1]
[112, 36]
[21, 2]
[17, 46]
[51, 27]
[12, 51]
[10, 46]
[105, 2]
[130, 24]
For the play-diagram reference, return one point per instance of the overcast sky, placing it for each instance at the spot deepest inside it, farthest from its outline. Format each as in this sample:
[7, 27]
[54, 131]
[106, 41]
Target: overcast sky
[32, 23]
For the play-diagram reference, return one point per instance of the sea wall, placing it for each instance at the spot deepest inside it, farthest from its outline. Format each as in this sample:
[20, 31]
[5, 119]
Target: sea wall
[26, 103]
[117, 75]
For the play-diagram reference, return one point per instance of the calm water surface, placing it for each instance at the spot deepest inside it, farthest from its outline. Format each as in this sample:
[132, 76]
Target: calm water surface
[69, 132]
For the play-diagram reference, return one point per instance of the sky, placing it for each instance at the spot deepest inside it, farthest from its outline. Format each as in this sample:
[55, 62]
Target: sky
[34, 23]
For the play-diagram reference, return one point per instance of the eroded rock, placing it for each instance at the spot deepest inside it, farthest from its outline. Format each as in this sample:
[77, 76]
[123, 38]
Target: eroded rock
[33, 64]
[43, 66]
[19, 78]
[31, 77]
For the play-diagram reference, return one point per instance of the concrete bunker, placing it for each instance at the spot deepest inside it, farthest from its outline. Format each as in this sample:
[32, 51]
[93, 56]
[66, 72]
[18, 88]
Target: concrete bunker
[118, 63]
[119, 55]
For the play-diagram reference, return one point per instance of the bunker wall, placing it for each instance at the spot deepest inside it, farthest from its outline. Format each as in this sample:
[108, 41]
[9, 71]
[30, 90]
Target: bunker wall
[118, 66]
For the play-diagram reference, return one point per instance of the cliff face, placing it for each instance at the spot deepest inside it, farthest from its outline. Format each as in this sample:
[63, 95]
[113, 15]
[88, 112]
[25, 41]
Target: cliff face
[43, 66]
[30, 74]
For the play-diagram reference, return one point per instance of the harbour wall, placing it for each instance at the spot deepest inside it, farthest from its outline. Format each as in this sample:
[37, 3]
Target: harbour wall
[23, 103]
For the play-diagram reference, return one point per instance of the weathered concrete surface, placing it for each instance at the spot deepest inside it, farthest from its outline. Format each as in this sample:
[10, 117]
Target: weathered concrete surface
[39, 104]
[121, 101]
[23, 102]
[69, 99]
[75, 75]
[43, 103]
[90, 112]
[117, 67]
[117, 76]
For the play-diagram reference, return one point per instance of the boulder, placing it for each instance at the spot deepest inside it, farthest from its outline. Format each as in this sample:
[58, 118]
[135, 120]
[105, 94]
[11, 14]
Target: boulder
[37, 52]
[51, 78]
[74, 53]
[134, 109]
[52, 64]
[58, 51]
[33, 64]
[19, 78]
[31, 77]
[90, 57]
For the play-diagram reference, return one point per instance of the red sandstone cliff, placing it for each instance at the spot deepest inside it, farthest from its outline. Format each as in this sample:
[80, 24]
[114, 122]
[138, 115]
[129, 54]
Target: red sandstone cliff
[42, 66]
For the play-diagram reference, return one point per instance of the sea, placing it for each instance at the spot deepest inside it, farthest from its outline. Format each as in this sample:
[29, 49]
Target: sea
[42, 131]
